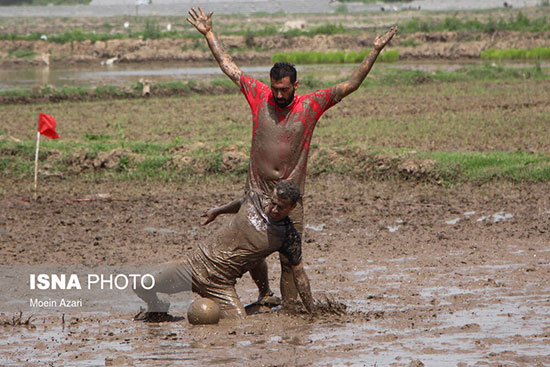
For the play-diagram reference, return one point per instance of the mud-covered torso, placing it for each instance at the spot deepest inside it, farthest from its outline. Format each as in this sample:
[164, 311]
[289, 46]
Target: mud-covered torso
[248, 238]
[281, 136]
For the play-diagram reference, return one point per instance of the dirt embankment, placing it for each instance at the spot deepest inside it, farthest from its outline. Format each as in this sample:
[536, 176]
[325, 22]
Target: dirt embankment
[448, 45]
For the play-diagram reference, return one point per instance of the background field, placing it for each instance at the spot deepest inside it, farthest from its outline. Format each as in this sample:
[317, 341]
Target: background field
[424, 126]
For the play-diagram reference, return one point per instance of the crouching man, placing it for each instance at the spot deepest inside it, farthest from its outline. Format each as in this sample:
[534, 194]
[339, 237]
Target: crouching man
[260, 227]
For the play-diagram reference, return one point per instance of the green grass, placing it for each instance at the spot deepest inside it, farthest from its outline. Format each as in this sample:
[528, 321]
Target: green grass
[152, 28]
[22, 54]
[78, 34]
[516, 54]
[142, 161]
[337, 57]
[485, 72]
[476, 166]
[146, 161]
[520, 23]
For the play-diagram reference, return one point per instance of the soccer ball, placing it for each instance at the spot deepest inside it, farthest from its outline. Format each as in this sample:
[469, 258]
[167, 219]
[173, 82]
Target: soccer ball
[203, 311]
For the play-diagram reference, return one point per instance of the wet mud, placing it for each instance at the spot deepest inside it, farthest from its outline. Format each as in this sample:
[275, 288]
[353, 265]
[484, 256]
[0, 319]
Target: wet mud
[405, 273]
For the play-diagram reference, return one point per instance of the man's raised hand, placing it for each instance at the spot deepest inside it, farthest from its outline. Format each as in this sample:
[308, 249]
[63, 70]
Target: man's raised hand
[383, 40]
[200, 20]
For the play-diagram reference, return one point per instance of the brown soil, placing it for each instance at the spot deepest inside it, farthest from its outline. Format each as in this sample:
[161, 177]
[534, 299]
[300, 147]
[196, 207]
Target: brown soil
[429, 275]
[439, 45]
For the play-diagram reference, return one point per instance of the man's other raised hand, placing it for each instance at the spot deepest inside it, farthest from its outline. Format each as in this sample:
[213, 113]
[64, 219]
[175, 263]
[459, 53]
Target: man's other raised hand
[200, 20]
[381, 41]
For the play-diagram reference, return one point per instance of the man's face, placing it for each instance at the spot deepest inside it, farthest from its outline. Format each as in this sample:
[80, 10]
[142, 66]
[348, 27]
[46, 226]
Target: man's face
[283, 91]
[278, 208]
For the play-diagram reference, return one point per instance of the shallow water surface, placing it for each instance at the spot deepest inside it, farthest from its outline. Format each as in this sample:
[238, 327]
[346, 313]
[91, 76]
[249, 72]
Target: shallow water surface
[29, 76]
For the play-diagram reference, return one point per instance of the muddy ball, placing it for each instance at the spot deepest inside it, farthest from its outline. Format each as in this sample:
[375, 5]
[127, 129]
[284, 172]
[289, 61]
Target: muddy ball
[203, 311]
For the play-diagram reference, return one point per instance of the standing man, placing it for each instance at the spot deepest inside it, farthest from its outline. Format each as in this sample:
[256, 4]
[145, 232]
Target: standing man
[282, 127]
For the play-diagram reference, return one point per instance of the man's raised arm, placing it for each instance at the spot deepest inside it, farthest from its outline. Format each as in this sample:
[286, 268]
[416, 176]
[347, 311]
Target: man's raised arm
[231, 207]
[203, 23]
[345, 88]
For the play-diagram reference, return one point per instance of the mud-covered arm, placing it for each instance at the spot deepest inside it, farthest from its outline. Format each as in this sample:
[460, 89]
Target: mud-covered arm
[231, 207]
[302, 285]
[203, 23]
[260, 276]
[352, 84]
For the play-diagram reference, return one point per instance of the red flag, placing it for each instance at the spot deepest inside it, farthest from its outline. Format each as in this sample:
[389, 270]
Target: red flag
[46, 126]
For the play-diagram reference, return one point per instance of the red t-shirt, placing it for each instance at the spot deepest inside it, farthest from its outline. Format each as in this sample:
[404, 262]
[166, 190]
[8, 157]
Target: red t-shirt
[281, 136]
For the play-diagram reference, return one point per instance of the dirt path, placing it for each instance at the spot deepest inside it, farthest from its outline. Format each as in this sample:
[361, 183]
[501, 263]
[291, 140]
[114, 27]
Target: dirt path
[431, 276]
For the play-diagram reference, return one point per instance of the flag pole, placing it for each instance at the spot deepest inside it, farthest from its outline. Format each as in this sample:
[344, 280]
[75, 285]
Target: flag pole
[36, 165]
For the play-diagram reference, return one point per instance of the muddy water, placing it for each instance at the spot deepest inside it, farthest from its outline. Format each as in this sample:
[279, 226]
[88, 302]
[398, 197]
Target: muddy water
[454, 325]
[29, 76]
[25, 77]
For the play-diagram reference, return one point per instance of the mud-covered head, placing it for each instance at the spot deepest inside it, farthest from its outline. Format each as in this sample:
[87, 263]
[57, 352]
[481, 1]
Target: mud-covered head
[283, 83]
[283, 200]
[283, 69]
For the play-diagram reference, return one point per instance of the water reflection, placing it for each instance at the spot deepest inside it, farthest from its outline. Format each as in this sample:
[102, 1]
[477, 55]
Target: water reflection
[58, 75]
[29, 76]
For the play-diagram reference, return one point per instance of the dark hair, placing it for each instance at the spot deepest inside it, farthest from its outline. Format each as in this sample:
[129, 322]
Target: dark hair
[283, 69]
[287, 189]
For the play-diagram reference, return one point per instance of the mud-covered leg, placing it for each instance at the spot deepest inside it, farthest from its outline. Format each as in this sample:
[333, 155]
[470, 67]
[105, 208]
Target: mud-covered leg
[289, 293]
[260, 276]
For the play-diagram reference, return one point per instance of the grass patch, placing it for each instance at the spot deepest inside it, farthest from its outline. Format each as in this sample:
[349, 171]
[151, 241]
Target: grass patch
[78, 34]
[101, 155]
[97, 137]
[457, 167]
[22, 54]
[157, 161]
[337, 57]
[520, 23]
[516, 54]
[152, 28]
[487, 72]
